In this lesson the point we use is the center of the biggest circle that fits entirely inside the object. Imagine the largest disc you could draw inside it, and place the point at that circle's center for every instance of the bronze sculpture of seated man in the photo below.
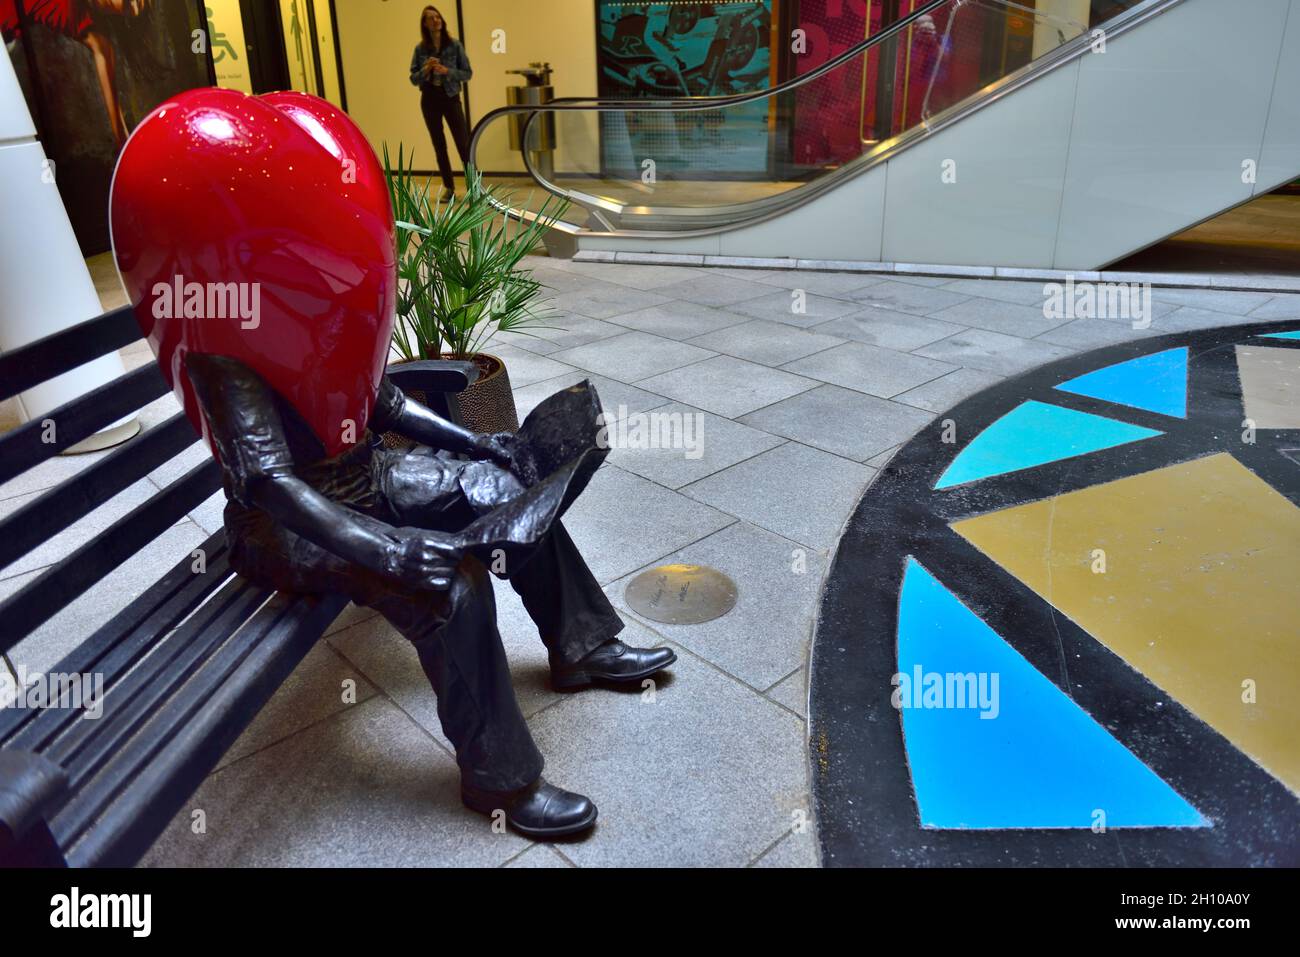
(372, 524)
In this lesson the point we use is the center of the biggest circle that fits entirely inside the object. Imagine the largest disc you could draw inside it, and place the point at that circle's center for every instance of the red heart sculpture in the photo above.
(274, 214)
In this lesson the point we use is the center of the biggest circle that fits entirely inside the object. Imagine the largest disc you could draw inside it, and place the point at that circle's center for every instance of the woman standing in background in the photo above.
(439, 67)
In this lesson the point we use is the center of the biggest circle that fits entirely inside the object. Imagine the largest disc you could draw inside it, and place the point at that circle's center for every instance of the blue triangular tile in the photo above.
(1038, 761)
(1294, 334)
(1157, 383)
(1035, 433)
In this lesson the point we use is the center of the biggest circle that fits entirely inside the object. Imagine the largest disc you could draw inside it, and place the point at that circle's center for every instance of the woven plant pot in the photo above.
(488, 405)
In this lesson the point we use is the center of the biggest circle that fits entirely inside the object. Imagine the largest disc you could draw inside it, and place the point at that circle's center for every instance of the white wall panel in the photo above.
(1279, 161)
(1164, 121)
(1009, 162)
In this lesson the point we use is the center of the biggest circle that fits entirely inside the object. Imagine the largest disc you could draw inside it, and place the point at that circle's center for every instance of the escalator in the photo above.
(1062, 134)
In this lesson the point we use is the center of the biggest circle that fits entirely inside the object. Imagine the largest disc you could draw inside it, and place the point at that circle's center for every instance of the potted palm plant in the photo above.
(460, 281)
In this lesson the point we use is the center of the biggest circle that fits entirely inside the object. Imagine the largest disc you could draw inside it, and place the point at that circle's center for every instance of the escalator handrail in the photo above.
(607, 105)
(1132, 16)
(561, 104)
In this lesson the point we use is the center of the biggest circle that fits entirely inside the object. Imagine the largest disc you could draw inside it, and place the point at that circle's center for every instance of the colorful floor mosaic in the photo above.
(1063, 625)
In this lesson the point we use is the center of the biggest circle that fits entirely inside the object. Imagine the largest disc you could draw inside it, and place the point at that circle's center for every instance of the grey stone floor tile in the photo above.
(1003, 290)
(49, 643)
(351, 615)
(715, 443)
(1190, 318)
(920, 280)
(560, 281)
(365, 788)
(613, 394)
(1081, 335)
(992, 352)
(812, 309)
(797, 491)
(158, 411)
(1213, 300)
(792, 691)
(711, 289)
(606, 300)
(708, 775)
(633, 356)
(388, 660)
(899, 331)
(757, 273)
(638, 276)
(834, 285)
(1005, 317)
(1278, 307)
(176, 467)
(842, 421)
(882, 459)
(539, 855)
(908, 297)
(767, 343)
(943, 393)
(796, 849)
(765, 636)
(728, 386)
(679, 320)
(525, 368)
(314, 691)
(623, 522)
(1265, 282)
(828, 284)
(47, 474)
(560, 332)
(209, 514)
(137, 353)
(870, 369)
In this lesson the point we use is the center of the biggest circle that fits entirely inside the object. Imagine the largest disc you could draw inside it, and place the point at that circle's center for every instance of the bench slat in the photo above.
(116, 647)
(63, 351)
(50, 513)
(81, 418)
(161, 767)
(89, 745)
(54, 589)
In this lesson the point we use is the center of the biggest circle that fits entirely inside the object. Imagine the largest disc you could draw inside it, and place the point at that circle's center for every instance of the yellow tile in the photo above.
(1199, 592)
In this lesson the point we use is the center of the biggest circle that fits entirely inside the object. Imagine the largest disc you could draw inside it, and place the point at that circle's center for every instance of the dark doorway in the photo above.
(268, 68)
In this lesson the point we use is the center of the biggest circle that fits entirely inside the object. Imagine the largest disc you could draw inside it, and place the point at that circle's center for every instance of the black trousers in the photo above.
(454, 632)
(436, 107)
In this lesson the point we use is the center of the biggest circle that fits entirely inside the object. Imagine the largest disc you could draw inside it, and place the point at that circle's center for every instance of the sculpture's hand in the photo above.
(421, 558)
(496, 447)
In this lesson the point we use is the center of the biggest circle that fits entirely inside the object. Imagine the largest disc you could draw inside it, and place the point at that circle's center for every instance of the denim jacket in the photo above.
(452, 57)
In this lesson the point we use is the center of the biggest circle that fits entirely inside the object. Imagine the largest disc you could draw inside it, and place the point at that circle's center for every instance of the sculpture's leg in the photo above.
(454, 634)
(456, 637)
(572, 613)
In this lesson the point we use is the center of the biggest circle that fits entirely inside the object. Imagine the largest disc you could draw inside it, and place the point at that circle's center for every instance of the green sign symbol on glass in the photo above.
(220, 44)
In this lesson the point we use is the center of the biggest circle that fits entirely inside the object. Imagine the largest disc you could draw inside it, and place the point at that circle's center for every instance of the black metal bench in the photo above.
(185, 666)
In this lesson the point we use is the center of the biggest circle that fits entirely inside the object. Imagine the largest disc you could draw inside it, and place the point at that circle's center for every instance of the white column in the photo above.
(44, 283)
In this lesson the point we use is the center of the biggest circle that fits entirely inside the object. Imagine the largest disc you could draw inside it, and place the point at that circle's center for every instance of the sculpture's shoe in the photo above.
(540, 810)
(612, 661)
